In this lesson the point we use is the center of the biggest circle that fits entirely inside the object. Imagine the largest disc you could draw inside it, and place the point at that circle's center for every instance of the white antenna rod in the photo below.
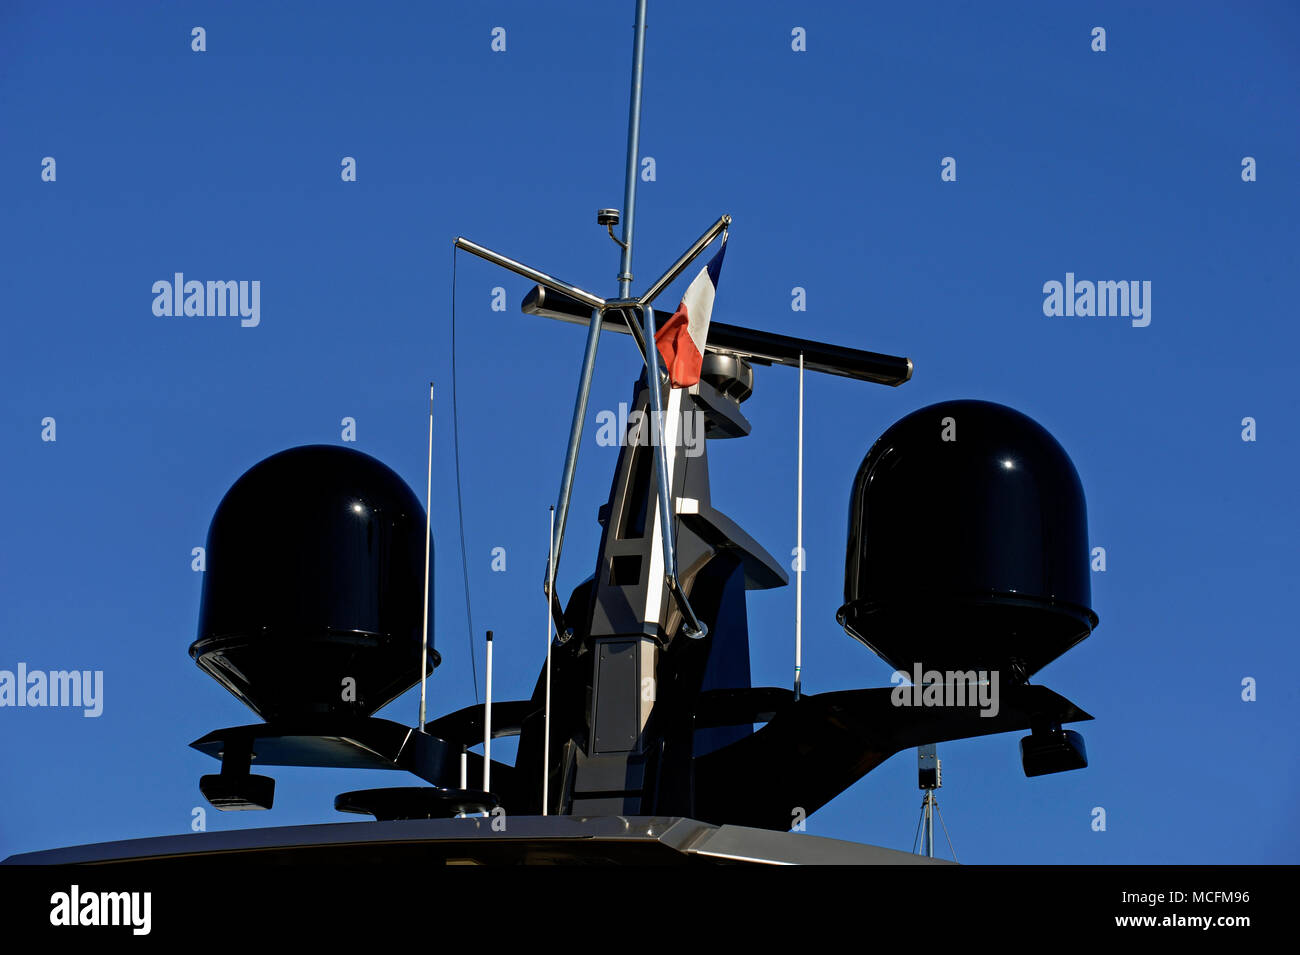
(546, 717)
(487, 722)
(464, 768)
(798, 573)
(428, 536)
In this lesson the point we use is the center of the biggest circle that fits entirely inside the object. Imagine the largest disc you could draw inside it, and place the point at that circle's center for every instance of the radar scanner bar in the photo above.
(765, 348)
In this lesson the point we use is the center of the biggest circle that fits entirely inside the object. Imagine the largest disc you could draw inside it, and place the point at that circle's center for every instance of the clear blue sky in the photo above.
(225, 165)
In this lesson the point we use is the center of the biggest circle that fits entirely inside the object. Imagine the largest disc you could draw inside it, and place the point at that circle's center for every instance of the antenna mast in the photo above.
(633, 152)
(608, 217)
(627, 307)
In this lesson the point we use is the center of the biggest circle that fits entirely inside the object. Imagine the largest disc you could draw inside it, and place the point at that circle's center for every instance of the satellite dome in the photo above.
(315, 576)
(968, 544)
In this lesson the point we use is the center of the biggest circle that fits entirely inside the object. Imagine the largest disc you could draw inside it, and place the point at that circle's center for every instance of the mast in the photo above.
(633, 152)
(593, 330)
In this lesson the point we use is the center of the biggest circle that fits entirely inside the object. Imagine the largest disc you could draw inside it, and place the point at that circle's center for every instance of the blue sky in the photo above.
(225, 164)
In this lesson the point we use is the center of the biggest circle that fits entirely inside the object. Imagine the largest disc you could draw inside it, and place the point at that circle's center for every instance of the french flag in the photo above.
(681, 340)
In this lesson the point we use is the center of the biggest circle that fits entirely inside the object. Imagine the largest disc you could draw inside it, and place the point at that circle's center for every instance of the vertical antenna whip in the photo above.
(546, 717)
(633, 152)
(428, 538)
(798, 549)
(460, 501)
(487, 722)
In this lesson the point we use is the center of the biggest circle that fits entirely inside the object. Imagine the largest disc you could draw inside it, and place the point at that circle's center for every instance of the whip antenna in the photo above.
(798, 549)
(546, 717)
(487, 722)
(460, 499)
(428, 539)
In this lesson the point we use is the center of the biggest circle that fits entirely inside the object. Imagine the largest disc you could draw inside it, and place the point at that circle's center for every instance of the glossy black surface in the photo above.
(234, 793)
(967, 553)
(315, 574)
(346, 742)
(524, 840)
(415, 802)
(758, 346)
(825, 742)
(1053, 751)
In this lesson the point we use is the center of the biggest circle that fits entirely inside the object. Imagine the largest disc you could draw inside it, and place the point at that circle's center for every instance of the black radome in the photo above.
(967, 543)
(315, 576)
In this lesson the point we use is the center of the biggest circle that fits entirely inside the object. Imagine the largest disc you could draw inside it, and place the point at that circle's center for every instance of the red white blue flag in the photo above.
(681, 340)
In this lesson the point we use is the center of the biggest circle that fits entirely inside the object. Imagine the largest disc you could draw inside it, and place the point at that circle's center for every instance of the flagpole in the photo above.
(687, 257)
